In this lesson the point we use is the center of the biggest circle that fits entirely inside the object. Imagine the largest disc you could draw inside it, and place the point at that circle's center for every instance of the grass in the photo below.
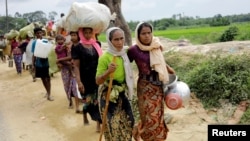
(198, 34)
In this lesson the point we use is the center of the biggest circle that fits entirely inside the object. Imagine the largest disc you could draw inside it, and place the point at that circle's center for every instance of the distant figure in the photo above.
(49, 28)
(17, 55)
(3, 46)
(61, 30)
(62, 14)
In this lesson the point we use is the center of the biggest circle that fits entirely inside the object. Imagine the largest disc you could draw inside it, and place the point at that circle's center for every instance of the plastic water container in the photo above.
(42, 48)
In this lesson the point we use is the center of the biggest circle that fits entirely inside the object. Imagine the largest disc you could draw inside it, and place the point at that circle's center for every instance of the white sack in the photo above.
(88, 14)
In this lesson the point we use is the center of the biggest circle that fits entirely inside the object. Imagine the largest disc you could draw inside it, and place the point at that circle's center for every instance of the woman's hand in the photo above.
(112, 67)
(33, 68)
(170, 70)
(81, 87)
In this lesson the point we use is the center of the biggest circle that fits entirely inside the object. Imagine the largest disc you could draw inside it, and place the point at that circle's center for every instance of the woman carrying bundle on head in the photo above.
(85, 57)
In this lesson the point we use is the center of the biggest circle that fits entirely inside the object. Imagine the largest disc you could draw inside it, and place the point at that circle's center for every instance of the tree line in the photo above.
(20, 20)
(178, 20)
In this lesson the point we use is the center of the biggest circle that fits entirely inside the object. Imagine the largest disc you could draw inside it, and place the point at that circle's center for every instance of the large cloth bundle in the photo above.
(88, 14)
(26, 30)
(61, 22)
(60, 26)
(12, 34)
(3, 44)
(53, 68)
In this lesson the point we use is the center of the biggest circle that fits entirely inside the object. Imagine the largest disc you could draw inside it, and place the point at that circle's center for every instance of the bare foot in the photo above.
(86, 122)
(70, 105)
(46, 95)
(78, 111)
(85, 119)
(98, 127)
(49, 98)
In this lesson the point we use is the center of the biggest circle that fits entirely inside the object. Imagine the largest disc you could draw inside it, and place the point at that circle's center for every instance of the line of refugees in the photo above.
(88, 73)
(105, 82)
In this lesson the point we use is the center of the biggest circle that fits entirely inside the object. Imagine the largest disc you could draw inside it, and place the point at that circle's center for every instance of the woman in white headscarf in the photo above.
(153, 73)
(120, 120)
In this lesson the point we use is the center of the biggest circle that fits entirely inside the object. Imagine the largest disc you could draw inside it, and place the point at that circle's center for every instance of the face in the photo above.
(74, 37)
(88, 33)
(145, 36)
(60, 41)
(39, 34)
(118, 39)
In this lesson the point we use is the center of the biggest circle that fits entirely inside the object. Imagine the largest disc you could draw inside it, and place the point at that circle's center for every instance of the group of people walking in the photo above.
(105, 80)
(106, 83)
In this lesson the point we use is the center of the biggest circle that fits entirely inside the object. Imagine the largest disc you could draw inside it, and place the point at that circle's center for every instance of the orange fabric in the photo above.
(152, 126)
(64, 33)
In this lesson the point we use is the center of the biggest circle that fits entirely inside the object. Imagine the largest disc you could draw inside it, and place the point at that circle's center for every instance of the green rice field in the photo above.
(199, 35)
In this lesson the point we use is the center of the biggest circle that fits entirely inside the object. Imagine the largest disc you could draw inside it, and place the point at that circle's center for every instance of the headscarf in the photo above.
(157, 61)
(89, 42)
(126, 63)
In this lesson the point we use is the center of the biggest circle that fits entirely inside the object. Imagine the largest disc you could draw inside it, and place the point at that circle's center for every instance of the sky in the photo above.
(138, 10)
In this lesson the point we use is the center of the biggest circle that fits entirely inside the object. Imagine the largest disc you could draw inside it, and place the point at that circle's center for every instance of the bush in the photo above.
(221, 78)
(246, 117)
(212, 78)
(229, 34)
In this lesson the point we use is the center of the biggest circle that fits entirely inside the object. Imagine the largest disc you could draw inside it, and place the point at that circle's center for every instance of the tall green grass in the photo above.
(198, 34)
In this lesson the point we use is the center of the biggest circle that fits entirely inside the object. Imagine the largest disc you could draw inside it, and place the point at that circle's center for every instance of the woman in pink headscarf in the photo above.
(85, 57)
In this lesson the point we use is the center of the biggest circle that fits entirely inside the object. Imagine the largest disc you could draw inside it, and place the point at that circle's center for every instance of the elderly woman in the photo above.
(153, 73)
(120, 119)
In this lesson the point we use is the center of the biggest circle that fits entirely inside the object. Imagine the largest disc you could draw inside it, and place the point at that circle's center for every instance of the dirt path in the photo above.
(27, 116)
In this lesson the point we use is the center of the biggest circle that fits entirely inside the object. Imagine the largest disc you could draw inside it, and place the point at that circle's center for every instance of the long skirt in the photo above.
(91, 106)
(18, 62)
(151, 109)
(69, 82)
(120, 119)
